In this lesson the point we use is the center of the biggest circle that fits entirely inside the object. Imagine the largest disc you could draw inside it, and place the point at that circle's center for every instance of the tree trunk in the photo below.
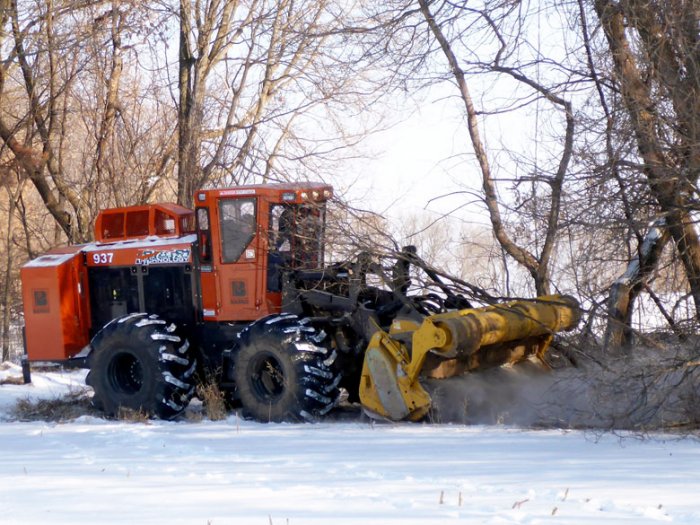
(104, 166)
(6, 313)
(186, 151)
(626, 288)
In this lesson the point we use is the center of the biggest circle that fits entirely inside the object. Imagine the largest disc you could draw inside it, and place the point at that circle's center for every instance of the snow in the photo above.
(92, 470)
(147, 242)
(50, 260)
(653, 236)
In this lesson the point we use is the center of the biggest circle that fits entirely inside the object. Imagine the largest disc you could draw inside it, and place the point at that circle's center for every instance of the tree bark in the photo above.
(627, 287)
(188, 144)
(106, 132)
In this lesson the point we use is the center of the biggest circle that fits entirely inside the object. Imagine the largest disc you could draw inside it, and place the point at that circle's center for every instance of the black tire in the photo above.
(139, 362)
(283, 371)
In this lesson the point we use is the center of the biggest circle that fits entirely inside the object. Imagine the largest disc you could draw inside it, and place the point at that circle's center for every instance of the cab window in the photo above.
(204, 235)
(237, 225)
(296, 235)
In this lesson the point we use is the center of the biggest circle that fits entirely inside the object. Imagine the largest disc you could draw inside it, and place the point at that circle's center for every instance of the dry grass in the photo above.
(133, 416)
(213, 400)
(66, 408)
(12, 381)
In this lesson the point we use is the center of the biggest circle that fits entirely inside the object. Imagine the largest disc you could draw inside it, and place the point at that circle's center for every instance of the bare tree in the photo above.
(64, 115)
(35, 137)
(254, 79)
(424, 35)
(653, 51)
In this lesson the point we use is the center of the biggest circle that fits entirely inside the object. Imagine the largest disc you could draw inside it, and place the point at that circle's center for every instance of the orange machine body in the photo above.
(224, 251)
(55, 286)
(56, 312)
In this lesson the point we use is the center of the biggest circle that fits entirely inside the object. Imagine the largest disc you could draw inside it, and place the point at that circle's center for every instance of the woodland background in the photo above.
(580, 117)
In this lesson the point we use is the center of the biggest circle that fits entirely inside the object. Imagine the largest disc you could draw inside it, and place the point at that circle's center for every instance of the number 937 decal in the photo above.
(102, 258)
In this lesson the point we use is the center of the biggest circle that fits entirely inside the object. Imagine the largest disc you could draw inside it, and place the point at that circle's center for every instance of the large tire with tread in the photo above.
(140, 362)
(283, 371)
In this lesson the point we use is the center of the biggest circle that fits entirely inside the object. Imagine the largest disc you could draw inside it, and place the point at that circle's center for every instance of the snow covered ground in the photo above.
(351, 472)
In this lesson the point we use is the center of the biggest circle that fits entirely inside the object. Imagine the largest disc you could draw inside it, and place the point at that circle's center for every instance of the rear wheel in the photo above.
(283, 371)
(139, 362)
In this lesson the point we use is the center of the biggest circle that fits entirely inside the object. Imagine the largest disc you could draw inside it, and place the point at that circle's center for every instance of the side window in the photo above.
(281, 226)
(308, 252)
(237, 223)
(204, 235)
(165, 225)
(279, 255)
(113, 225)
(296, 235)
(137, 223)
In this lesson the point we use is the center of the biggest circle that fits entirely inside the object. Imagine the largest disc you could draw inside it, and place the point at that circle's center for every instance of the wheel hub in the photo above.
(126, 373)
(268, 377)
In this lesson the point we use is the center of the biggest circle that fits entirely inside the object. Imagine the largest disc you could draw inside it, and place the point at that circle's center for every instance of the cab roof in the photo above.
(290, 192)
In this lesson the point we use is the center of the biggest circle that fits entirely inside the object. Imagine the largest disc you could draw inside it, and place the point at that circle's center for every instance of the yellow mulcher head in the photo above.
(470, 339)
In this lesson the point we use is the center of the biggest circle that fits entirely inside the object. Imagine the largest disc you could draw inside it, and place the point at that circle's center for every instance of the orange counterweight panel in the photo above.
(56, 313)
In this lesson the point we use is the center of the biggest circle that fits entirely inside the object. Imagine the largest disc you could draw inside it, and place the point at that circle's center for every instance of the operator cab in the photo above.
(248, 236)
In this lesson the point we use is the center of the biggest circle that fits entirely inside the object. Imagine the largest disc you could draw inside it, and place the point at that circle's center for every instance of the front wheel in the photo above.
(283, 371)
(139, 362)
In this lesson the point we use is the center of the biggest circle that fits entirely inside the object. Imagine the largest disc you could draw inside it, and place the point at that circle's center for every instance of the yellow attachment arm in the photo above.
(481, 337)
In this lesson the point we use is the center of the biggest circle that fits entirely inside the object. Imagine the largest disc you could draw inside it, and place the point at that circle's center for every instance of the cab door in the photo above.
(232, 265)
(239, 273)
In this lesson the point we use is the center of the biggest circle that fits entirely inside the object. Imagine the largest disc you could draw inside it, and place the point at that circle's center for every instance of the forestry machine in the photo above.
(236, 292)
